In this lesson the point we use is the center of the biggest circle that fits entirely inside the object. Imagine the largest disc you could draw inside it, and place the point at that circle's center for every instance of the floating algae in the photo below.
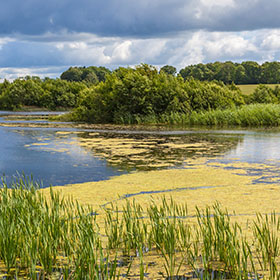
(201, 178)
(135, 151)
(201, 185)
(149, 152)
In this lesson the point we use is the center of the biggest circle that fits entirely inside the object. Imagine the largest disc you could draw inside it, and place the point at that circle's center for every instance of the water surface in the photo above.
(59, 156)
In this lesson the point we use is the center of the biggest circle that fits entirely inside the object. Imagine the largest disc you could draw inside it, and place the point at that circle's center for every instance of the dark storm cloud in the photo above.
(134, 17)
(44, 37)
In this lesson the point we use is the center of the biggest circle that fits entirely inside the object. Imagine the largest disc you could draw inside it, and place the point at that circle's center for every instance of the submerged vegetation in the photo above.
(50, 237)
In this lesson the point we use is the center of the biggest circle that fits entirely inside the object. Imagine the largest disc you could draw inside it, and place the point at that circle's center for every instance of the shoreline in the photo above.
(200, 184)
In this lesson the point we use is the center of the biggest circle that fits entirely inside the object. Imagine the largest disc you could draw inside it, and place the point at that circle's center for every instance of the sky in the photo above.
(45, 38)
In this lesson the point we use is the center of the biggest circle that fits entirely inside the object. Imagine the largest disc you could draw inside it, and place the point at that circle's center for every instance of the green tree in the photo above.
(253, 72)
(128, 94)
(270, 73)
(240, 75)
(60, 94)
(263, 94)
(226, 73)
(168, 69)
(73, 74)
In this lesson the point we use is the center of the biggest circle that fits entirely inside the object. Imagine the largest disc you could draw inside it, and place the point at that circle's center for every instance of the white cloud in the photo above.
(13, 73)
(219, 44)
(272, 40)
(122, 51)
(179, 50)
(78, 45)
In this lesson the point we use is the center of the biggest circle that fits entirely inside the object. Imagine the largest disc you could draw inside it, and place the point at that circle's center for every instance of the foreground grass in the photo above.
(56, 238)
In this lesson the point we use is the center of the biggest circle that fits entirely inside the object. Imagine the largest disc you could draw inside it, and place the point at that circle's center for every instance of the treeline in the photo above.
(248, 72)
(132, 95)
(52, 94)
(89, 75)
(145, 95)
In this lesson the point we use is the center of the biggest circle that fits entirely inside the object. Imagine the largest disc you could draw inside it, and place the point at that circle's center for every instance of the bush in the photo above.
(134, 95)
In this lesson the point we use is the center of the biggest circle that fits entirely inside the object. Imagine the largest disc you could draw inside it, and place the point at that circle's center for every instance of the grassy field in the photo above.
(248, 89)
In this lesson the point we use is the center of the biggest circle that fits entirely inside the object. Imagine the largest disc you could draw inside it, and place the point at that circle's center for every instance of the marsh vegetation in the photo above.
(53, 237)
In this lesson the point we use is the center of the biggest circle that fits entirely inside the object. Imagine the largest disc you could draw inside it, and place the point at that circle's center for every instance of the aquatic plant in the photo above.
(244, 116)
(49, 236)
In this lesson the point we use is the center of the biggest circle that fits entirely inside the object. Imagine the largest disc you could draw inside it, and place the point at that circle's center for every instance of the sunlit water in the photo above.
(55, 158)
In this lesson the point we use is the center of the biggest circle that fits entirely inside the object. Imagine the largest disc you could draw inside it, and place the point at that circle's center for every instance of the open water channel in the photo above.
(60, 156)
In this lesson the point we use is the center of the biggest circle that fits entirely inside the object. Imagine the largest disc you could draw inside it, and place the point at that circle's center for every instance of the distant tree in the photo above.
(4, 86)
(240, 75)
(263, 94)
(248, 72)
(252, 72)
(226, 73)
(199, 71)
(100, 72)
(90, 75)
(270, 73)
(33, 92)
(73, 74)
(168, 69)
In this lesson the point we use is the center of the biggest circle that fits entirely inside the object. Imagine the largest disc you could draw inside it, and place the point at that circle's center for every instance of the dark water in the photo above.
(57, 159)
(50, 167)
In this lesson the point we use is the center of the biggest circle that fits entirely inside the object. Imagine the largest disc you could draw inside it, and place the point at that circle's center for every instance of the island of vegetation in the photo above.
(202, 94)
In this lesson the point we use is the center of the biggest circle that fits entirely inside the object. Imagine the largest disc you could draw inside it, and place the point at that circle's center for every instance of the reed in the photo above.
(54, 237)
(251, 115)
(245, 116)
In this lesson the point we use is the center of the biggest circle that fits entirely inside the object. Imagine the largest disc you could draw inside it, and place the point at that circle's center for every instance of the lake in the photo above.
(60, 156)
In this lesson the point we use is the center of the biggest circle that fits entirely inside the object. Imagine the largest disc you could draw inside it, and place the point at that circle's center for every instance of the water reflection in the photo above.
(149, 152)
(57, 166)
(59, 156)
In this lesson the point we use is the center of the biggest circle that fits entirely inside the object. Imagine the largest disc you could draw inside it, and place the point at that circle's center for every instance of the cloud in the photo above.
(12, 73)
(143, 18)
(272, 40)
(36, 34)
(183, 49)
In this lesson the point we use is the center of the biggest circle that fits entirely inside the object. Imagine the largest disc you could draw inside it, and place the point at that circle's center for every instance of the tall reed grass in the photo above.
(252, 115)
(55, 238)
(245, 116)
